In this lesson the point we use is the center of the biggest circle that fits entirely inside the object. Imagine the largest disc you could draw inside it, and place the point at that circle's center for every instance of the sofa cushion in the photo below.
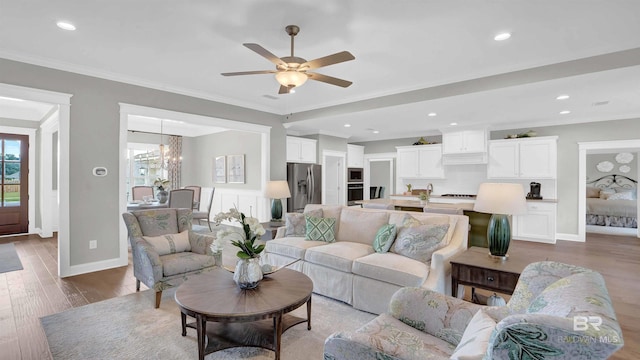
(338, 255)
(295, 224)
(392, 268)
(328, 211)
(170, 243)
(180, 263)
(384, 238)
(475, 339)
(157, 222)
(320, 229)
(418, 219)
(361, 226)
(419, 242)
(293, 247)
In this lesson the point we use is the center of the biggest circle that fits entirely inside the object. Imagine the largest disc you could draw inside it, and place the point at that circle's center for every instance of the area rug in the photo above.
(9, 259)
(129, 327)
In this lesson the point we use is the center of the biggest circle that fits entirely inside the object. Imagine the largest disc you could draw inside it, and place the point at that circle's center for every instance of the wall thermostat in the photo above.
(99, 171)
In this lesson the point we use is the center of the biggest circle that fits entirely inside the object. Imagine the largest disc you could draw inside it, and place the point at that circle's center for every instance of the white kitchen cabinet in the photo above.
(529, 158)
(539, 224)
(355, 156)
(420, 162)
(301, 150)
(464, 142)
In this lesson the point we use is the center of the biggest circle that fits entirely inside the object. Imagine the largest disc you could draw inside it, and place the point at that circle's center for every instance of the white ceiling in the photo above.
(412, 57)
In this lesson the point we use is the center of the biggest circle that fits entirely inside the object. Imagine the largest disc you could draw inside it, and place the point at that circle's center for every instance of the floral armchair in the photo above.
(557, 311)
(164, 249)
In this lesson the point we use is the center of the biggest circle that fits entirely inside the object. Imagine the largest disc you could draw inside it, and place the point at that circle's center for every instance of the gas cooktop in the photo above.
(465, 196)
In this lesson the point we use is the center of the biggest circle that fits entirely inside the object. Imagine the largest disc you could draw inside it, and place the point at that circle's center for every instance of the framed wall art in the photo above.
(235, 169)
(219, 170)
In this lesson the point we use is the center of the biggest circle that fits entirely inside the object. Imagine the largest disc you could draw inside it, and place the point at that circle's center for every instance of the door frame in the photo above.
(64, 115)
(583, 149)
(31, 188)
(368, 158)
(343, 170)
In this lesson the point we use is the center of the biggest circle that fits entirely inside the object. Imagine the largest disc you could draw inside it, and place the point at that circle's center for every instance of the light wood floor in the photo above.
(36, 291)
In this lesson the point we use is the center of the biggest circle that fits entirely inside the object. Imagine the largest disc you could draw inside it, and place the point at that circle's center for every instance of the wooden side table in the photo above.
(477, 269)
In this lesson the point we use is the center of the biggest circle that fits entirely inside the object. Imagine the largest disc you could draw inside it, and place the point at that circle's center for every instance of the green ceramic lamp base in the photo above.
(499, 236)
(276, 210)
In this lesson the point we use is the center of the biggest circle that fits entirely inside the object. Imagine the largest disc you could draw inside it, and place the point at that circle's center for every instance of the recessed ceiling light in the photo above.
(292, 91)
(432, 114)
(565, 112)
(10, 98)
(376, 131)
(562, 97)
(66, 25)
(453, 124)
(502, 36)
(347, 125)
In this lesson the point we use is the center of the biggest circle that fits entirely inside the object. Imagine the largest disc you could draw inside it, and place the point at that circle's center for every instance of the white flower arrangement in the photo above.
(251, 229)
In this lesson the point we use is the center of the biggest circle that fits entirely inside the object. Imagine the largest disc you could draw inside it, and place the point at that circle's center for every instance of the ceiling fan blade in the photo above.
(249, 72)
(328, 60)
(283, 90)
(265, 53)
(329, 79)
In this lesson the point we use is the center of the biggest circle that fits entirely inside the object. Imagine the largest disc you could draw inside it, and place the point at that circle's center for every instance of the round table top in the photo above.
(215, 295)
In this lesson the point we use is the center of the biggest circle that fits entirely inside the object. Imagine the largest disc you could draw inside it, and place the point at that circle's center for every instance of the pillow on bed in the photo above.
(605, 193)
(593, 192)
(621, 196)
(633, 193)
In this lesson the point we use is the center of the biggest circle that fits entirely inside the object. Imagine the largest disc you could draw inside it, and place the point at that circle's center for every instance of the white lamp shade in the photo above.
(501, 198)
(291, 78)
(278, 189)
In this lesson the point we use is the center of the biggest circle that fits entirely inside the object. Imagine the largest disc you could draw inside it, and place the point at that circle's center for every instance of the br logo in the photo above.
(581, 323)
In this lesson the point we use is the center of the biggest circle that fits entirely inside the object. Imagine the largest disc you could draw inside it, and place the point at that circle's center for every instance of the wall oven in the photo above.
(355, 175)
(355, 192)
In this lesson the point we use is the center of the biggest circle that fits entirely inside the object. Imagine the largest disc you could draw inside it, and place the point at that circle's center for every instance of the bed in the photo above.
(612, 201)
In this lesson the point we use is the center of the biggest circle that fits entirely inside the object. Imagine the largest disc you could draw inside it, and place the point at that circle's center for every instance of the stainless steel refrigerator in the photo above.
(305, 184)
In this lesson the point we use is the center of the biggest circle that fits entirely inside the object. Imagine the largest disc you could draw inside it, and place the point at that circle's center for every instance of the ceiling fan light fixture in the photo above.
(291, 78)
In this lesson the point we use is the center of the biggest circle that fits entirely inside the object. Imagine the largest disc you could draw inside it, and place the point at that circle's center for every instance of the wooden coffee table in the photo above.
(227, 316)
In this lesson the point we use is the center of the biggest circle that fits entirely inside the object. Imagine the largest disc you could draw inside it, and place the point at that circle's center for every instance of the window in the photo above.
(143, 165)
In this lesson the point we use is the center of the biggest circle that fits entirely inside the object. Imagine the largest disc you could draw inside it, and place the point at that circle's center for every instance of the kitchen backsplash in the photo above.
(465, 179)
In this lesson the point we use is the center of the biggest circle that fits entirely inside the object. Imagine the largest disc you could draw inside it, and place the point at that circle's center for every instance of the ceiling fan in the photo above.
(292, 71)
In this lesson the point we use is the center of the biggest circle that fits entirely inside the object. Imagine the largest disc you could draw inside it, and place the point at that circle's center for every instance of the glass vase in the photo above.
(217, 257)
(248, 273)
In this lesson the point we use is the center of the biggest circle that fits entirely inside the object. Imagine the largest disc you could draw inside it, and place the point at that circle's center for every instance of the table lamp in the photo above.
(276, 190)
(500, 200)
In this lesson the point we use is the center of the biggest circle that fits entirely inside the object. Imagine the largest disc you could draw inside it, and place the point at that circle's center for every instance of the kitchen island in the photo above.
(416, 205)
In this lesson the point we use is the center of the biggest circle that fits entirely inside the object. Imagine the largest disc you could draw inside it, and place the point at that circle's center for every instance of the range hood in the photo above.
(465, 159)
(465, 147)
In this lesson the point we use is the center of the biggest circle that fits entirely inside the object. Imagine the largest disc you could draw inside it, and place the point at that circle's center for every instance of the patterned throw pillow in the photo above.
(419, 242)
(295, 224)
(621, 196)
(320, 229)
(384, 238)
(170, 243)
(475, 340)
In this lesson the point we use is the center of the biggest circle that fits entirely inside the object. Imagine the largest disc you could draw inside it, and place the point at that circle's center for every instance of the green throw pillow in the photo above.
(320, 229)
(384, 238)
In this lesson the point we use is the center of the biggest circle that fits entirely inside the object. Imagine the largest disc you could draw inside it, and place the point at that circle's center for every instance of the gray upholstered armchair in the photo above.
(557, 311)
(165, 251)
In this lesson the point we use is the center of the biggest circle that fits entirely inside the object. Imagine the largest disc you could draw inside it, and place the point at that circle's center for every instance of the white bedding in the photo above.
(626, 208)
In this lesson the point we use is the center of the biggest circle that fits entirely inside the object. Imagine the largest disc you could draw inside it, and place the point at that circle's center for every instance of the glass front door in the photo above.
(14, 196)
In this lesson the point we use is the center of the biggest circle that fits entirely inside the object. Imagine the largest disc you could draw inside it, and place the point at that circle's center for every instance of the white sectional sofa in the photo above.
(350, 270)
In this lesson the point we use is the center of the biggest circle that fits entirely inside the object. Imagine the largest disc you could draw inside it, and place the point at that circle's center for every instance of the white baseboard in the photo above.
(611, 230)
(95, 266)
(569, 237)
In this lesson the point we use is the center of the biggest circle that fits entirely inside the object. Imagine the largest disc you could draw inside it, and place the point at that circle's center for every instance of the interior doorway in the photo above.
(593, 148)
(379, 171)
(14, 184)
(333, 177)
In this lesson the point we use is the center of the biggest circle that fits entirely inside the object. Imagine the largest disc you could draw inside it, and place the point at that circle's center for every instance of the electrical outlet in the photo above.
(93, 244)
